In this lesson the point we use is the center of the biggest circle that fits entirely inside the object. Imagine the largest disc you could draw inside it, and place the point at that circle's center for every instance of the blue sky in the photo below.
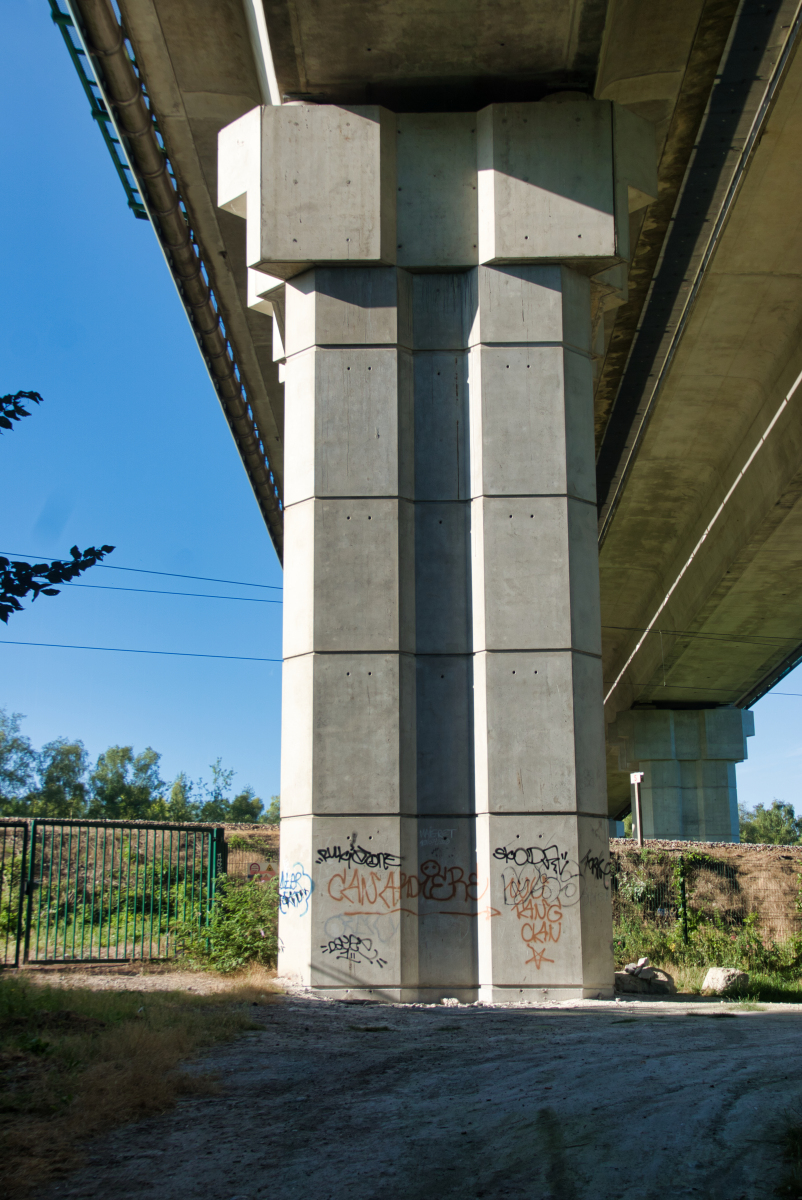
(131, 448)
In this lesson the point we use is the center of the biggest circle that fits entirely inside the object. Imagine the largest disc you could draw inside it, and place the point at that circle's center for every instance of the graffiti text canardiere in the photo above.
(354, 855)
(371, 891)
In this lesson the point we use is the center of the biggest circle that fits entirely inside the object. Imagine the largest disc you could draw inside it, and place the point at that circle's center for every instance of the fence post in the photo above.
(23, 888)
(221, 857)
(29, 884)
(683, 900)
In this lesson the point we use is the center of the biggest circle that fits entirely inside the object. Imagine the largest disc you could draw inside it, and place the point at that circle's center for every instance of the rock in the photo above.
(719, 980)
(450, 1002)
(638, 968)
(657, 983)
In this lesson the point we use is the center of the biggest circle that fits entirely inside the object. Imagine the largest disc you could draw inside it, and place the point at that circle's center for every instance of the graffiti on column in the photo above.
(374, 883)
(294, 889)
(356, 855)
(539, 883)
(599, 867)
(354, 949)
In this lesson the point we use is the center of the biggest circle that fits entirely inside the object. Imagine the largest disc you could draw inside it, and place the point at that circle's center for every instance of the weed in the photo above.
(791, 1142)
(74, 1062)
(243, 927)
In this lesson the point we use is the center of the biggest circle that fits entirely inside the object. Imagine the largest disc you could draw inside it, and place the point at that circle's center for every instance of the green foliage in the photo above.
(273, 814)
(243, 927)
(246, 808)
(20, 579)
(124, 785)
(17, 763)
(710, 944)
(11, 407)
(62, 791)
(776, 826)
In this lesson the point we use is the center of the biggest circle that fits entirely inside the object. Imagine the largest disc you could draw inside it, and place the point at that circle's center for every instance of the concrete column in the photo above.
(540, 795)
(688, 761)
(348, 736)
(444, 825)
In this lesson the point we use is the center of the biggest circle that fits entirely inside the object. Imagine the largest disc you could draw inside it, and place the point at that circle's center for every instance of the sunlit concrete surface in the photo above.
(576, 1101)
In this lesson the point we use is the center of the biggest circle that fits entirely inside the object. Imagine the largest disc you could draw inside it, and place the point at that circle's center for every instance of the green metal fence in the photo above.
(13, 858)
(93, 891)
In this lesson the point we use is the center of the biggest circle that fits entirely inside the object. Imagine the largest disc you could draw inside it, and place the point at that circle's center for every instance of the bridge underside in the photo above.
(694, 356)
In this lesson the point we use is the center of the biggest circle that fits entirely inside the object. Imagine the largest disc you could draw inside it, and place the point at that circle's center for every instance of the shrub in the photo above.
(243, 927)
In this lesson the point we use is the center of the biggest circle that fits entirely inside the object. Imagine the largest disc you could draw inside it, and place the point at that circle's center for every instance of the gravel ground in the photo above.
(576, 1101)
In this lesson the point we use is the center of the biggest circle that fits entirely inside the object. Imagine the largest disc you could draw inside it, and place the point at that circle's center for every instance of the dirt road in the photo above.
(337, 1101)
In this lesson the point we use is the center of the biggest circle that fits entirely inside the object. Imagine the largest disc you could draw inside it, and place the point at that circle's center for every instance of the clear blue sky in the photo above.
(131, 448)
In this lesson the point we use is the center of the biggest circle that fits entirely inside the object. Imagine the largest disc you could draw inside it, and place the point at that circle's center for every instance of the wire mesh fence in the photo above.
(80, 890)
(727, 886)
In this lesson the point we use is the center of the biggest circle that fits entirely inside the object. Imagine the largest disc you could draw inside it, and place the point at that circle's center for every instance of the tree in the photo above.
(11, 408)
(62, 790)
(246, 808)
(776, 826)
(217, 805)
(181, 806)
(125, 786)
(17, 765)
(19, 579)
(273, 814)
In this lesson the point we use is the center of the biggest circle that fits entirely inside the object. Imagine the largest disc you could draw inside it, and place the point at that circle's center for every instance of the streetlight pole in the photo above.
(635, 778)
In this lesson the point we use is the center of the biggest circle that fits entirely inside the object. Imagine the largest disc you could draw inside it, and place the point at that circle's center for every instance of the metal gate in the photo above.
(95, 891)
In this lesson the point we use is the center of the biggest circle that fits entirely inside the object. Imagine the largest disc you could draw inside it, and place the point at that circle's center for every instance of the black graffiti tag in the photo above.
(358, 856)
(354, 949)
(598, 866)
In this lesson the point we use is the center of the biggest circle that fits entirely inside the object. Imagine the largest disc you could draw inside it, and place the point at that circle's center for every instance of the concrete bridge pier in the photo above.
(444, 817)
(688, 759)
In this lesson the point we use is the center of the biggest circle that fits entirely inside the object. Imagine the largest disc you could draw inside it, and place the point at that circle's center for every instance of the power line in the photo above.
(126, 650)
(253, 658)
(157, 592)
(144, 571)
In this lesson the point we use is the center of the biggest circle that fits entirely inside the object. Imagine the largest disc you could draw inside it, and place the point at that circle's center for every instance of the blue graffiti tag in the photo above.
(294, 889)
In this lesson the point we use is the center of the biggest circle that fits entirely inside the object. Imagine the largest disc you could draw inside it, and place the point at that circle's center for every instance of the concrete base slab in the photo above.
(541, 995)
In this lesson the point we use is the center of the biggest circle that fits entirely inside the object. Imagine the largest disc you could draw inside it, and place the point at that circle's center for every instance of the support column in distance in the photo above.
(688, 759)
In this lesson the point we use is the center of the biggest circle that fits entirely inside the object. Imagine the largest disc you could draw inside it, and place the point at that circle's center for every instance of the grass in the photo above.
(764, 986)
(775, 969)
(791, 1143)
(75, 1062)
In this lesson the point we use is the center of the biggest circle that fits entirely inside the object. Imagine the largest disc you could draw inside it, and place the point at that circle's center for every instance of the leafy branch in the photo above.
(20, 579)
(11, 408)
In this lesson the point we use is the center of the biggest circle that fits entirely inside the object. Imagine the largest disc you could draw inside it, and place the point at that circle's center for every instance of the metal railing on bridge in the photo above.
(94, 891)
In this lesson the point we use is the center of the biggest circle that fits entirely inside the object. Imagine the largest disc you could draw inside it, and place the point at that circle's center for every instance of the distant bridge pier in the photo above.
(688, 759)
(434, 279)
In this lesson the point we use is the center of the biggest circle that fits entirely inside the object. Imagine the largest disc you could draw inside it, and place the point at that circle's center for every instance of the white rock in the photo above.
(657, 983)
(725, 979)
(450, 1002)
